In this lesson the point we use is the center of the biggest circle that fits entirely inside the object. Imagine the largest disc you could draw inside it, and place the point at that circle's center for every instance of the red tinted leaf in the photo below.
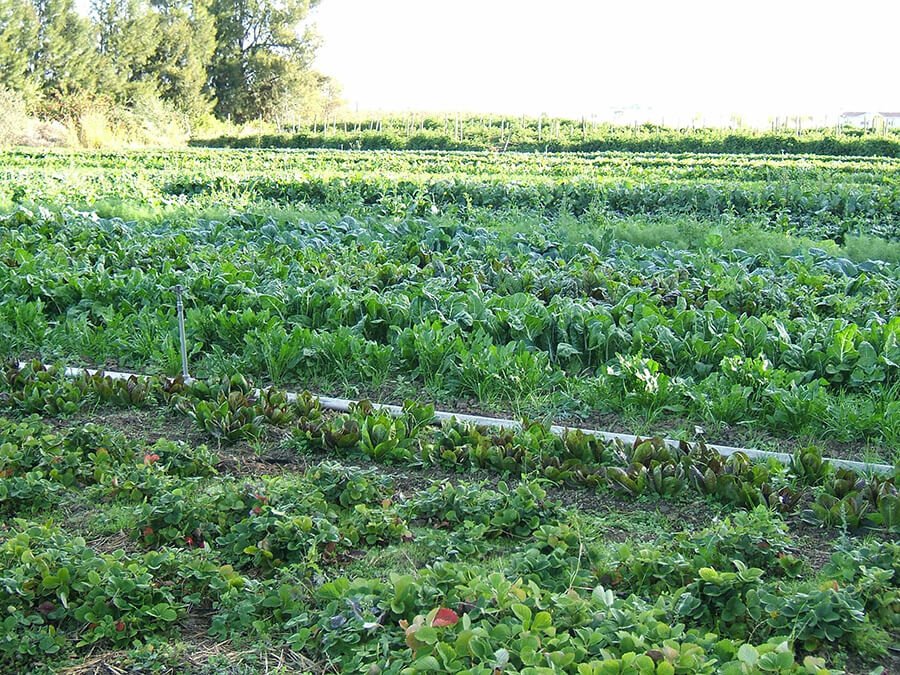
(445, 617)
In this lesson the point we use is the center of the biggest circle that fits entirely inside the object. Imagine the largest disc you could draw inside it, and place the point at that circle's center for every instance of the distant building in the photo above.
(856, 119)
(871, 120)
(891, 119)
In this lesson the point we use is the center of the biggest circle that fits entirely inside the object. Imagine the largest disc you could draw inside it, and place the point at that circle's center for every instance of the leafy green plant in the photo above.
(872, 569)
(758, 538)
(827, 614)
(349, 486)
(507, 512)
(726, 601)
(54, 583)
(808, 467)
(178, 458)
(229, 419)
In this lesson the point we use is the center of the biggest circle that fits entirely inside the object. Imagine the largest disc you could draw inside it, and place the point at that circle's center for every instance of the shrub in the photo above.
(14, 119)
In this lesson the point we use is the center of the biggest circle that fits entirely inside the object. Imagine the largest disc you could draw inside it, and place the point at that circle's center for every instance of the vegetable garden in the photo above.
(470, 132)
(218, 525)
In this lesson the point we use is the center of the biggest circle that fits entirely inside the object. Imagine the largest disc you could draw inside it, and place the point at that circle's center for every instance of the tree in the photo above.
(187, 33)
(311, 95)
(128, 38)
(261, 55)
(245, 59)
(18, 42)
(66, 61)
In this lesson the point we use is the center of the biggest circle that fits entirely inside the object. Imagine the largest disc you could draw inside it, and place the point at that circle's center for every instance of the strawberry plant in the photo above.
(55, 583)
(177, 458)
(816, 616)
(727, 601)
(349, 486)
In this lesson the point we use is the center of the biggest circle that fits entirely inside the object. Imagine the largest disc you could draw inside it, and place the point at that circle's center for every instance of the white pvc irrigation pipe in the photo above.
(343, 405)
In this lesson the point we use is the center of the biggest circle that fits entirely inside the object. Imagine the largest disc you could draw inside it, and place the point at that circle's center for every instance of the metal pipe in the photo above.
(343, 405)
(179, 305)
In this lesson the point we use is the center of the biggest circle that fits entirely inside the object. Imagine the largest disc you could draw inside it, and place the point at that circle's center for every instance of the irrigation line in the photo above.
(343, 405)
(182, 340)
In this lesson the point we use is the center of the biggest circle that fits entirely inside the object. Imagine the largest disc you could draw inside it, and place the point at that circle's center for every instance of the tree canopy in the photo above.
(241, 59)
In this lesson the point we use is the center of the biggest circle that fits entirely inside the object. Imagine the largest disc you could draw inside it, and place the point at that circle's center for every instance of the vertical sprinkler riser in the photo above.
(179, 306)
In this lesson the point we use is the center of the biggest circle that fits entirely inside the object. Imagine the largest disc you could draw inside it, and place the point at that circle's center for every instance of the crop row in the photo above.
(558, 135)
(729, 598)
(718, 337)
(825, 212)
(62, 596)
(833, 210)
(230, 411)
(635, 167)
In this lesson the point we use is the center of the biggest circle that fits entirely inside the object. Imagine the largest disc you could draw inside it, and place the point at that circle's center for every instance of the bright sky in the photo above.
(579, 56)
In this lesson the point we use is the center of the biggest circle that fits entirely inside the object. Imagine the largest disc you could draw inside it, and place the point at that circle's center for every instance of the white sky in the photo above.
(577, 57)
